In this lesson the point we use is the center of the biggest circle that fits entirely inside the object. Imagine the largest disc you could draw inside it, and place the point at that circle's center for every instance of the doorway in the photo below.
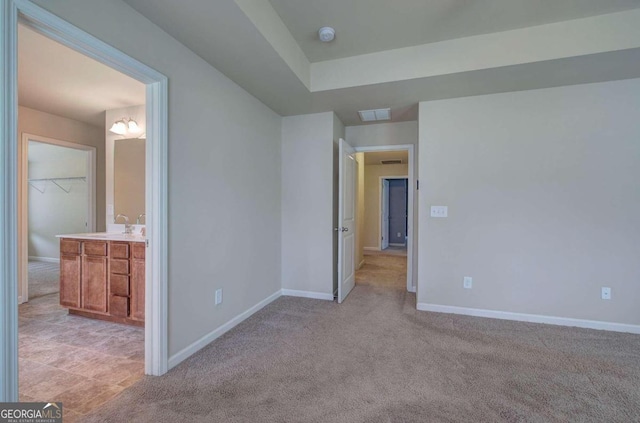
(45, 23)
(394, 215)
(386, 230)
(57, 188)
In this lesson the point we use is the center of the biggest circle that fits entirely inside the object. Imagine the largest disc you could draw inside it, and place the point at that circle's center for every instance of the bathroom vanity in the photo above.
(102, 276)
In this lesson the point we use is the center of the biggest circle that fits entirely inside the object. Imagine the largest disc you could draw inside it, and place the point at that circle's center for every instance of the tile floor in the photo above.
(81, 362)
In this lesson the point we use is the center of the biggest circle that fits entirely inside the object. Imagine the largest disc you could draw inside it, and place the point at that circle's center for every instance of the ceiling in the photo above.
(417, 50)
(374, 157)
(56, 79)
(367, 26)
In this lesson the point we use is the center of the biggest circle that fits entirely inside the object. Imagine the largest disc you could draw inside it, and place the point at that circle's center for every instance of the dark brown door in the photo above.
(137, 281)
(70, 271)
(94, 283)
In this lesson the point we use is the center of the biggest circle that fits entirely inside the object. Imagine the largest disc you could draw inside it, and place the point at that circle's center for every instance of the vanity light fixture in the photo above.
(125, 126)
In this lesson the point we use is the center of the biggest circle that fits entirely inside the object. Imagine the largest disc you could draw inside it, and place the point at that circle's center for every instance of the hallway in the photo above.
(382, 270)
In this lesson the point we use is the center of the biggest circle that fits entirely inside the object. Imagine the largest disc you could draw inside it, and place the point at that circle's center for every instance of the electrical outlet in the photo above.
(467, 282)
(439, 211)
(218, 296)
(606, 293)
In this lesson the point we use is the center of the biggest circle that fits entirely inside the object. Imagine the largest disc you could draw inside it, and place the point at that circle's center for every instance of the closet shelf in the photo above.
(55, 182)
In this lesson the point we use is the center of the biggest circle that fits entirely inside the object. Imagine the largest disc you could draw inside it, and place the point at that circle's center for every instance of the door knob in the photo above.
(345, 229)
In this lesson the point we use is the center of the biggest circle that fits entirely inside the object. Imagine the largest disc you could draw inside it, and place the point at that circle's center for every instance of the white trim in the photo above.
(371, 248)
(23, 197)
(44, 259)
(396, 245)
(8, 202)
(411, 242)
(533, 318)
(307, 294)
(48, 24)
(361, 264)
(188, 351)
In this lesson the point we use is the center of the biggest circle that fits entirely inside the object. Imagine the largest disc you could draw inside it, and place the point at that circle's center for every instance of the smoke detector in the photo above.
(326, 34)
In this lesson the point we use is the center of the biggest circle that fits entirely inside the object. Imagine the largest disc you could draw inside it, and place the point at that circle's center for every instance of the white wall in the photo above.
(544, 205)
(399, 133)
(224, 175)
(307, 203)
(54, 211)
(35, 122)
(372, 200)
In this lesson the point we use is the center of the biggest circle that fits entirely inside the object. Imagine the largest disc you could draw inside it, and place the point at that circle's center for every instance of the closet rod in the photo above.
(58, 179)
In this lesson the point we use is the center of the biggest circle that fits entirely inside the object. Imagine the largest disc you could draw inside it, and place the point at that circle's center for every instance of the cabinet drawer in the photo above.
(138, 249)
(69, 246)
(95, 248)
(120, 250)
(119, 285)
(120, 266)
(119, 306)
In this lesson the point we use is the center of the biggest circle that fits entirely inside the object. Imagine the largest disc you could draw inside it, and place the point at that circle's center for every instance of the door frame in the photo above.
(411, 192)
(23, 201)
(382, 178)
(13, 12)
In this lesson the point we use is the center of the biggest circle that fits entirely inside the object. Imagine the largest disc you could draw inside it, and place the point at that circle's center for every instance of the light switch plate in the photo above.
(467, 282)
(606, 293)
(439, 211)
(218, 296)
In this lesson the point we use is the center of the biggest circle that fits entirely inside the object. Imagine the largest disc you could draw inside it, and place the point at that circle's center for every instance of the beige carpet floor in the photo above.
(44, 279)
(376, 359)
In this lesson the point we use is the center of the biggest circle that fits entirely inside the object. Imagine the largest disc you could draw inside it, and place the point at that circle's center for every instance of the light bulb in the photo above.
(133, 126)
(119, 127)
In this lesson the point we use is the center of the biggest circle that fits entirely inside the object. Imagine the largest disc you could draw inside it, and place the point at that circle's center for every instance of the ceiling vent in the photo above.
(391, 161)
(375, 115)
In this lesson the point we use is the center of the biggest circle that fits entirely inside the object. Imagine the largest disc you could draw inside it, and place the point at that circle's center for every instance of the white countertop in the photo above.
(106, 236)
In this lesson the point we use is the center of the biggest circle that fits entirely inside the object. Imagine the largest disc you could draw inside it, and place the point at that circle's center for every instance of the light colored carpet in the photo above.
(44, 279)
(376, 359)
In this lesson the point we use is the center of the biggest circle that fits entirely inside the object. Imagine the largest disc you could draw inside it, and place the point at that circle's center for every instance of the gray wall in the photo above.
(307, 203)
(544, 205)
(224, 174)
(54, 211)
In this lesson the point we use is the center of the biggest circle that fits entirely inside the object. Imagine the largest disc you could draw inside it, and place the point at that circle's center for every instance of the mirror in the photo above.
(129, 178)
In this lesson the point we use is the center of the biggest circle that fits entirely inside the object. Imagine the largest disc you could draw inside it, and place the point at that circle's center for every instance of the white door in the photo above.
(346, 220)
(384, 215)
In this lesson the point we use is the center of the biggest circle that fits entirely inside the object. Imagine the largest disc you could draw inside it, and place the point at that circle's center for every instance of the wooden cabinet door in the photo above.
(137, 289)
(94, 283)
(70, 271)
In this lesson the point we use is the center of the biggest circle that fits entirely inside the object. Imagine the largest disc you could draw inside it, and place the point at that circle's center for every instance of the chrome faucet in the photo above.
(143, 215)
(128, 229)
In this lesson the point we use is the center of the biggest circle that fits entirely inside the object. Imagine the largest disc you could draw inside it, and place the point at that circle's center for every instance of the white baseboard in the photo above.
(185, 353)
(44, 259)
(533, 318)
(360, 265)
(397, 245)
(371, 248)
(307, 294)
